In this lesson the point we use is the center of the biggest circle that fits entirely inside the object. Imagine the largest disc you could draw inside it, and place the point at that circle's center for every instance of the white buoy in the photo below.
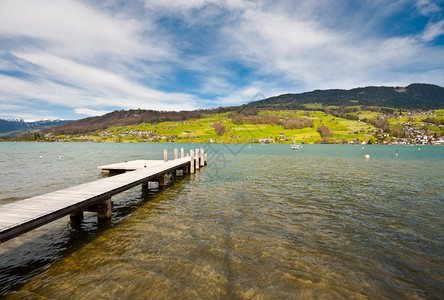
(419, 148)
(362, 147)
(367, 156)
(60, 157)
(41, 156)
(396, 154)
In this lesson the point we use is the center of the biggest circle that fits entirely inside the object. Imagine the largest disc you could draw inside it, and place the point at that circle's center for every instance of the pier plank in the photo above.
(21, 216)
(131, 165)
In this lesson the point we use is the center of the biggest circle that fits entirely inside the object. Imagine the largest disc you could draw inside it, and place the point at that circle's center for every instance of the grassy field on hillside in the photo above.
(345, 125)
(203, 130)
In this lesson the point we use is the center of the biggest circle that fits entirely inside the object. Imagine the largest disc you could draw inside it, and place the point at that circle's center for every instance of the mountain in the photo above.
(19, 126)
(131, 117)
(414, 96)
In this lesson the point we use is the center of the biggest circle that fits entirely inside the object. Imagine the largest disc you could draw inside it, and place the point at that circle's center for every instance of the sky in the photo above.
(74, 59)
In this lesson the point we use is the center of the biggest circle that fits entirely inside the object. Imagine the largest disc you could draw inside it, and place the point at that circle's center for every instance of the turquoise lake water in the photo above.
(259, 222)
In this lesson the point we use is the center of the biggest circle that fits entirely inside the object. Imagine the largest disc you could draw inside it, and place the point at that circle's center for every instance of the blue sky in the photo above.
(73, 59)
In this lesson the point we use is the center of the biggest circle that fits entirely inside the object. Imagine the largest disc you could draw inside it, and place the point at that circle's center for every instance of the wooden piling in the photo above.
(22, 216)
(182, 153)
(76, 217)
(202, 157)
(176, 153)
(163, 180)
(106, 209)
(192, 162)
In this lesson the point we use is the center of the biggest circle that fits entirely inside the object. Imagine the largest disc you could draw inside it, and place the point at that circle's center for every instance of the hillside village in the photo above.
(403, 128)
(370, 115)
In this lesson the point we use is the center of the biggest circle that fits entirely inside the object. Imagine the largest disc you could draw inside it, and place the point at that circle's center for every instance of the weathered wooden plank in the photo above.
(6, 224)
(21, 216)
(82, 194)
(11, 218)
(131, 165)
(31, 211)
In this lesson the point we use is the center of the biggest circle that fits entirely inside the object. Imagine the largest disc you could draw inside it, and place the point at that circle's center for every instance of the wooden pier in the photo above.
(22, 216)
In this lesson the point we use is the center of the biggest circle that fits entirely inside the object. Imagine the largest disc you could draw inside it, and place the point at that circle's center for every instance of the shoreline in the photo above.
(227, 143)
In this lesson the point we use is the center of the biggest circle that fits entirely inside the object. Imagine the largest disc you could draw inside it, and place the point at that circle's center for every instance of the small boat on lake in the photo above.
(296, 147)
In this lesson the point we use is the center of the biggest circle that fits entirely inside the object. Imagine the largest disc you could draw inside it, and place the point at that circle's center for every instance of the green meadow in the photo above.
(203, 130)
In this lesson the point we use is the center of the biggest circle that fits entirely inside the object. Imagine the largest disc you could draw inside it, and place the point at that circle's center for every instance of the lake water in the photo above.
(259, 222)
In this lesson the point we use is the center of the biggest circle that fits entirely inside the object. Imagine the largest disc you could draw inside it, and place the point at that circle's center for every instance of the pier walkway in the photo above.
(22, 216)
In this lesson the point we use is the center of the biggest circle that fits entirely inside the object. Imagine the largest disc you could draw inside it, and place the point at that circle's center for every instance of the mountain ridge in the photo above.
(19, 126)
(414, 96)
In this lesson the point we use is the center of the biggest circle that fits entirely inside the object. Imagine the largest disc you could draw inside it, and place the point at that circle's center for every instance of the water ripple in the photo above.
(318, 223)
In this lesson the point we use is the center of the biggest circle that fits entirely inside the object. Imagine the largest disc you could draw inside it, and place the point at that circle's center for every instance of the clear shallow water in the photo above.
(259, 222)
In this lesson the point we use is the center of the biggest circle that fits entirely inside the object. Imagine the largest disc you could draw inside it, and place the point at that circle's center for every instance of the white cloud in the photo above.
(215, 85)
(89, 112)
(427, 7)
(285, 46)
(76, 56)
(180, 5)
(18, 110)
(432, 31)
(74, 29)
(14, 89)
(93, 56)
(315, 56)
(241, 96)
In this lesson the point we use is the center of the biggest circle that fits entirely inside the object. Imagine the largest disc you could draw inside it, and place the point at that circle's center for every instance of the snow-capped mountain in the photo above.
(18, 125)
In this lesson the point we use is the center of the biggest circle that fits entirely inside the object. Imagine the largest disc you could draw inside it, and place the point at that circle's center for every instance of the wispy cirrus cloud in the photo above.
(74, 29)
(80, 58)
(427, 7)
(68, 53)
(317, 56)
(433, 31)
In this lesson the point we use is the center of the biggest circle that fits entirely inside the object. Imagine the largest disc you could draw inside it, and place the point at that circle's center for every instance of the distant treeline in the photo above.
(434, 121)
(131, 117)
(379, 99)
(249, 114)
(414, 96)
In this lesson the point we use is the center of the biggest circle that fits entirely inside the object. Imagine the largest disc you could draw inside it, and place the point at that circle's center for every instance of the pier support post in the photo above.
(105, 209)
(202, 157)
(146, 186)
(165, 155)
(163, 180)
(176, 153)
(206, 159)
(192, 161)
(197, 159)
(182, 153)
(76, 217)
(150, 185)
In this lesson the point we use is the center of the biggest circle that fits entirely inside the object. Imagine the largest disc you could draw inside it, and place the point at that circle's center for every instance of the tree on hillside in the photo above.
(324, 131)
(219, 128)
(296, 123)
